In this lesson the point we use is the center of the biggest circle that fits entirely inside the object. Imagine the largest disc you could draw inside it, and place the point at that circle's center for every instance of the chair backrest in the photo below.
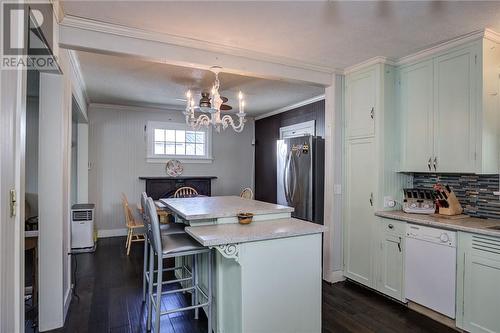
(144, 198)
(126, 210)
(185, 192)
(155, 236)
(247, 193)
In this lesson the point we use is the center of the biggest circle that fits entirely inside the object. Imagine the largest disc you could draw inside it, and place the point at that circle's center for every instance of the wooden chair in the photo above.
(185, 192)
(247, 193)
(132, 224)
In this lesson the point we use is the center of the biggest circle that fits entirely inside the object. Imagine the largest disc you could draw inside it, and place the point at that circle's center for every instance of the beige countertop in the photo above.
(468, 224)
(199, 208)
(221, 234)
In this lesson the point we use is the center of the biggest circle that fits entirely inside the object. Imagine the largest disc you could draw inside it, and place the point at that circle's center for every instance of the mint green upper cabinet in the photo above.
(416, 103)
(361, 91)
(455, 110)
(478, 297)
(450, 108)
(359, 214)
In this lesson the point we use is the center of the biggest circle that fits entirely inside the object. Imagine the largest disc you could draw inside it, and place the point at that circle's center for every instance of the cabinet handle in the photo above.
(399, 244)
(391, 226)
(429, 163)
(372, 112)
(435, 163)
(371, 199)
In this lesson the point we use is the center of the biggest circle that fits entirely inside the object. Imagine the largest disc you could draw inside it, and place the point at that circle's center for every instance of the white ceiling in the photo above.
(332, 34)
(121, 80)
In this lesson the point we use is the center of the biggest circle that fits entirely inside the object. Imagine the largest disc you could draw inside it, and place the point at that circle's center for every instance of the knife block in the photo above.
(454, 207)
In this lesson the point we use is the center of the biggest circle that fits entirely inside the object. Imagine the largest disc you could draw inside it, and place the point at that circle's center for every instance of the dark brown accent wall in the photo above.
(267, 131)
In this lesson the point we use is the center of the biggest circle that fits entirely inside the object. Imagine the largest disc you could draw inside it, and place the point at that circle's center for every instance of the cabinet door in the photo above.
(359, 217)
(361, 90)
(391, 265)
(481, 291)
(455, 106)
(416, 102)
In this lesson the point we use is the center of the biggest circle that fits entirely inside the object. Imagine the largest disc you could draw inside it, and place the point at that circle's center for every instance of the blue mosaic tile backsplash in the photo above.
(475, 192)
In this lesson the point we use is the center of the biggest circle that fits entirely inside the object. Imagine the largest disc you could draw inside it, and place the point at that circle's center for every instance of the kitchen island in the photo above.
(267, 275)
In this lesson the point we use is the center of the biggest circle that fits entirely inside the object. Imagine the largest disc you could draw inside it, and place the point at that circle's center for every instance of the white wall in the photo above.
(54, 197)
(117, 155)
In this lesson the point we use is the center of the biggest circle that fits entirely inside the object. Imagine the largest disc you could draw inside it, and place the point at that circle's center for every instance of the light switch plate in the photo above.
(337, 189)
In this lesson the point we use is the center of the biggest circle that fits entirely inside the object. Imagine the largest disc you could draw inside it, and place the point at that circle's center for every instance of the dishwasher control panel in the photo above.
(433, 235)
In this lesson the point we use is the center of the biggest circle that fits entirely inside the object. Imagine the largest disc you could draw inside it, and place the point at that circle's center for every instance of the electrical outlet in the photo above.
(389, 202)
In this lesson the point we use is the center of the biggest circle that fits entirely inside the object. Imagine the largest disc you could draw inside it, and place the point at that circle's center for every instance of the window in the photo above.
(173, 140)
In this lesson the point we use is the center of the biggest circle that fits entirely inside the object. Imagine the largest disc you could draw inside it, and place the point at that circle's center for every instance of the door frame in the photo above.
(12, 166)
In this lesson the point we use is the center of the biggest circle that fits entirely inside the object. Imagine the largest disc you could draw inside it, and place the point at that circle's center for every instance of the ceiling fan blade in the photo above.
(225, 107)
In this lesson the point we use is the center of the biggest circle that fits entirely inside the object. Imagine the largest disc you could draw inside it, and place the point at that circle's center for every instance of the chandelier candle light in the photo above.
(211, 104)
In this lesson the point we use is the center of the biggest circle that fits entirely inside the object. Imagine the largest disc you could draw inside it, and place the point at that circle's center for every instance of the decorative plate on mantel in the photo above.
(174, 168)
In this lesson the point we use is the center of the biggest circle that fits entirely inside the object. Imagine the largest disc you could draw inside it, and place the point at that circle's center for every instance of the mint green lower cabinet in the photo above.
(266, 286)
(390, 258)
(478, 282)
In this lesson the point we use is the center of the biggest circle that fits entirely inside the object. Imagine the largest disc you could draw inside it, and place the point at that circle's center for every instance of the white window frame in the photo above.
(152, 158)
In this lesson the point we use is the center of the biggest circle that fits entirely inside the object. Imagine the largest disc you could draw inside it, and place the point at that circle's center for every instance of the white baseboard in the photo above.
(334, 277)
(105, 233)
(67, 302)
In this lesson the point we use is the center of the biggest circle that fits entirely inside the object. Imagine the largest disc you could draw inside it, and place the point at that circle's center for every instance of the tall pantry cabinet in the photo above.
(371, 164)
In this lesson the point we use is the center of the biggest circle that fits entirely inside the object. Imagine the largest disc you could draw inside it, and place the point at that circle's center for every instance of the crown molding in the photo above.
(136, 107)
(368, 63)
(121, 30)
(449, 44)
(58, 10)
(291, 107)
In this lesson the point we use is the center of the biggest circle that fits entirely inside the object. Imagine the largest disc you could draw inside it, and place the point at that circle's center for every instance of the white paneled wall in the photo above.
(117, 157)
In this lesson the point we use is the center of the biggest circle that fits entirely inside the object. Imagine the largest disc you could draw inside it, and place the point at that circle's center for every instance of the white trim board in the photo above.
(79, 82)
(291, 106)
(105, 106)
(106, 233)
(94, 25)
(304, 128)
(99, 37)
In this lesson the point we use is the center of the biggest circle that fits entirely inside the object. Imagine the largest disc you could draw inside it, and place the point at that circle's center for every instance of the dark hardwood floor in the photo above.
(109, 289)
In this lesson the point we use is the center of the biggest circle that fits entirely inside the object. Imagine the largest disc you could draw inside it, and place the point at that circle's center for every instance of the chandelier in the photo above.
(210, 109)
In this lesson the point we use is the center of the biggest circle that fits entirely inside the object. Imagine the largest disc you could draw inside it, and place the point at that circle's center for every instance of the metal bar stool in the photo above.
(174, 246)
(166, 229)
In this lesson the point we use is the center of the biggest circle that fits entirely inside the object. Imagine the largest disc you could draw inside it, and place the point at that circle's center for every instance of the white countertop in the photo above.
(468, 224)
(220, 234)
(199, 208)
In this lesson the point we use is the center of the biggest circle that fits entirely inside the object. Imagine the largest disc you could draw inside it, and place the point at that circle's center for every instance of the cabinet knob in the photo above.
(372, 112)
(435, 163)
(429, 163)
(391, 226)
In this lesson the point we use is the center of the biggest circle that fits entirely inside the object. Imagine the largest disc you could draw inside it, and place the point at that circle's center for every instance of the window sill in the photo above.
(185, 160)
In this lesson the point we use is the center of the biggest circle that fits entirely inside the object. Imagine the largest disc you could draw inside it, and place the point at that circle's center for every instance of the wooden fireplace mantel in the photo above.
(159, 187)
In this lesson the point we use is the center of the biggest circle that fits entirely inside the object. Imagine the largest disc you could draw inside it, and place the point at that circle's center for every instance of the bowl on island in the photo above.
(245, 218)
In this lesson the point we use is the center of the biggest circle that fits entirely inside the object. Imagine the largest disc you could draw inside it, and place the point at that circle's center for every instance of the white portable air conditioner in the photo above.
(82, 228)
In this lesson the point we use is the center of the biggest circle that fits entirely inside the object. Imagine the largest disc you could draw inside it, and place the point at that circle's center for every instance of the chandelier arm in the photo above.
(202, 120)
(228, 120)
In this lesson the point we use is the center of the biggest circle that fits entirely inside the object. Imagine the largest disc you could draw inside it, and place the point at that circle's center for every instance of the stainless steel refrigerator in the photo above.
(300, 176)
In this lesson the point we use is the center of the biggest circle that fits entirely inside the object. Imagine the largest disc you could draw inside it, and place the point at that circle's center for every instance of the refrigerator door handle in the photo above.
(294, 178)
(285, 178)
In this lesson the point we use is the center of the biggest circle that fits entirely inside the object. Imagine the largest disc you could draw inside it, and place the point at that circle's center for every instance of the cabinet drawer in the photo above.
(393, 226)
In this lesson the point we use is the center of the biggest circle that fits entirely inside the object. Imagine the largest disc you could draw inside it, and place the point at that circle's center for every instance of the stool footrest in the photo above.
(185, 309)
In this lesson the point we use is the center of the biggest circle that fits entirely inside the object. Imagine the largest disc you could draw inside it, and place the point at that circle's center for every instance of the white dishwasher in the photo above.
(430, 268)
